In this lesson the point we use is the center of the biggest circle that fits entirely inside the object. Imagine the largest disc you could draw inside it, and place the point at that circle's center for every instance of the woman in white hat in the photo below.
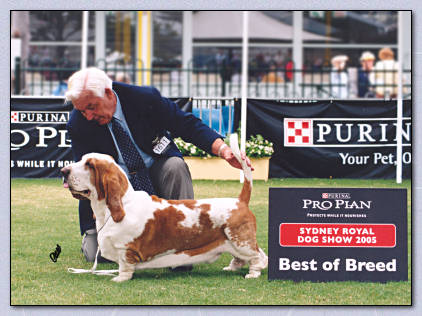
(339, 77)
(367, 60)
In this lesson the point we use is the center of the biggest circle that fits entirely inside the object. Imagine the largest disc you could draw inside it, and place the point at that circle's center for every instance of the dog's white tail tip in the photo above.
(234, 145)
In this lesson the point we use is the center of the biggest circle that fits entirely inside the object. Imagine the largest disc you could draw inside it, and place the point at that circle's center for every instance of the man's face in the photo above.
(96, 108)
(367, 64)
(339, 65)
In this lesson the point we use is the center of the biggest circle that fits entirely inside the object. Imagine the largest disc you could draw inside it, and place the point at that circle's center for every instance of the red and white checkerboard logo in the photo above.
(298, 132)
(325, 195)
(14, 117)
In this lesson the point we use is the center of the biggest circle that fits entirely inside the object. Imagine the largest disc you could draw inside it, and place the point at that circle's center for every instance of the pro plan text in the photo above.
(336, 204)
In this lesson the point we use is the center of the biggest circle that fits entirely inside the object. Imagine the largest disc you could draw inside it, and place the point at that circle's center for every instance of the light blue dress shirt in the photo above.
(118, 114)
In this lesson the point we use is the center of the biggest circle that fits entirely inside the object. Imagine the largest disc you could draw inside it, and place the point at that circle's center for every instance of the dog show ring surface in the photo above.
(218, 169)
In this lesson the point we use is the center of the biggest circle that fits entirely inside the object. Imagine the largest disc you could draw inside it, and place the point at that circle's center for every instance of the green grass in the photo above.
(44, 214)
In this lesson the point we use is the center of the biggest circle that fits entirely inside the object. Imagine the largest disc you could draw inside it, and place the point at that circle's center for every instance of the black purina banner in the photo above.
(40, 146)
(337, 234)
(344, 139)
(340, 139)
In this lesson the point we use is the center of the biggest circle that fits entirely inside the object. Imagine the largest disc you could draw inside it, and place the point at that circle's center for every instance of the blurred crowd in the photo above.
(375, 78)
(263, 67)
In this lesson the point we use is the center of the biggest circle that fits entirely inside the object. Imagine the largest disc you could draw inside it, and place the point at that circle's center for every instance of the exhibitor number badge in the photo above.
(160, 145)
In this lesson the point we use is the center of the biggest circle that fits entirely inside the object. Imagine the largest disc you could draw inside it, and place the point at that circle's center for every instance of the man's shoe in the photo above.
(182, 268)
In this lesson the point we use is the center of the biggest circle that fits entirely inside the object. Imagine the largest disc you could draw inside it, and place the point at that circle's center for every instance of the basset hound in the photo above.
(139, 231)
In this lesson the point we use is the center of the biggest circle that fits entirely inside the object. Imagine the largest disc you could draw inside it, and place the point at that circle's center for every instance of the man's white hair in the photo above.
(92, 79)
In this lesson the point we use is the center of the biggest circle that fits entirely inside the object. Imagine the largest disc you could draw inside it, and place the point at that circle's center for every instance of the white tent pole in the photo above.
(146, 46)
(84, 47)
(100, 35)
(244, 83)
(186, 49)
(297, 49)
(399, 151)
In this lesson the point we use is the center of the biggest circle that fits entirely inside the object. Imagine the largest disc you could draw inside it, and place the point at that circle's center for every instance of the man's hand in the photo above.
(226, 153)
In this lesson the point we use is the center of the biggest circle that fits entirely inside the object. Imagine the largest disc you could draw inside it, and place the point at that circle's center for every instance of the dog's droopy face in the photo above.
(77, 176)
(97, 177)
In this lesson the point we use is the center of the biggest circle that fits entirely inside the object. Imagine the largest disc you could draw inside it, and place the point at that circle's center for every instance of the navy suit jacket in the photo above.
(148, 115)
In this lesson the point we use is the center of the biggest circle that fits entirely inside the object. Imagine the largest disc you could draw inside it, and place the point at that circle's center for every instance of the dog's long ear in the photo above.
(115, 187)
(97, 169)
(111, 184)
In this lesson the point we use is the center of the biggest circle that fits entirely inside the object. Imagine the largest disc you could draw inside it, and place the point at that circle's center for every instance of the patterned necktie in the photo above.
(138, 172)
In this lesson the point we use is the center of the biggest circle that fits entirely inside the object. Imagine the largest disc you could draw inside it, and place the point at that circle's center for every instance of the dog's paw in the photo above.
(253, 275)
(235, 265)
(120, 278)
(229, 268)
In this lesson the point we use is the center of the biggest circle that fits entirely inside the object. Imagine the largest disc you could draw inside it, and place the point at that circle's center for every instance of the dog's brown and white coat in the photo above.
(139, 231)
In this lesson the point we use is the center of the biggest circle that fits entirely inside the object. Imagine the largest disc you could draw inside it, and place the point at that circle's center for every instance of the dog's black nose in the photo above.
(65, 172)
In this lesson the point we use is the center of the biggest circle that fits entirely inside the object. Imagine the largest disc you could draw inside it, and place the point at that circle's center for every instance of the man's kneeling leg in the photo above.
(90, 245)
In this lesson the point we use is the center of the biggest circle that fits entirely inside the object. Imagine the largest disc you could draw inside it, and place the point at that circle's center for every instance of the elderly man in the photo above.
(135, 125)
(367, 60)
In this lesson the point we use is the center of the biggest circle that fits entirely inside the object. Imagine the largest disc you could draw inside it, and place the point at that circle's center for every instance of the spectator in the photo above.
(318, 64)
(123, 77)
(339, 78)
(272, 76)
(61, 88)
(111, 75)
(219, 57)
(65, 71)
(267, 59)
(261, 66)
(279, 59)
(367, 60)
(224, 68)
(237, 68)
(385, 75)
(289, 70)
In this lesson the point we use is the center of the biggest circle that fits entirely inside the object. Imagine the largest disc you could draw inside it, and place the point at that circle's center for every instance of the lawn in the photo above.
(44, 214)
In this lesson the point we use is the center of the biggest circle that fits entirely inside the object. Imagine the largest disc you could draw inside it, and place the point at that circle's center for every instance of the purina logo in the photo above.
(336, 195)
(39, 117)
(345, 132)
(298, 132)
